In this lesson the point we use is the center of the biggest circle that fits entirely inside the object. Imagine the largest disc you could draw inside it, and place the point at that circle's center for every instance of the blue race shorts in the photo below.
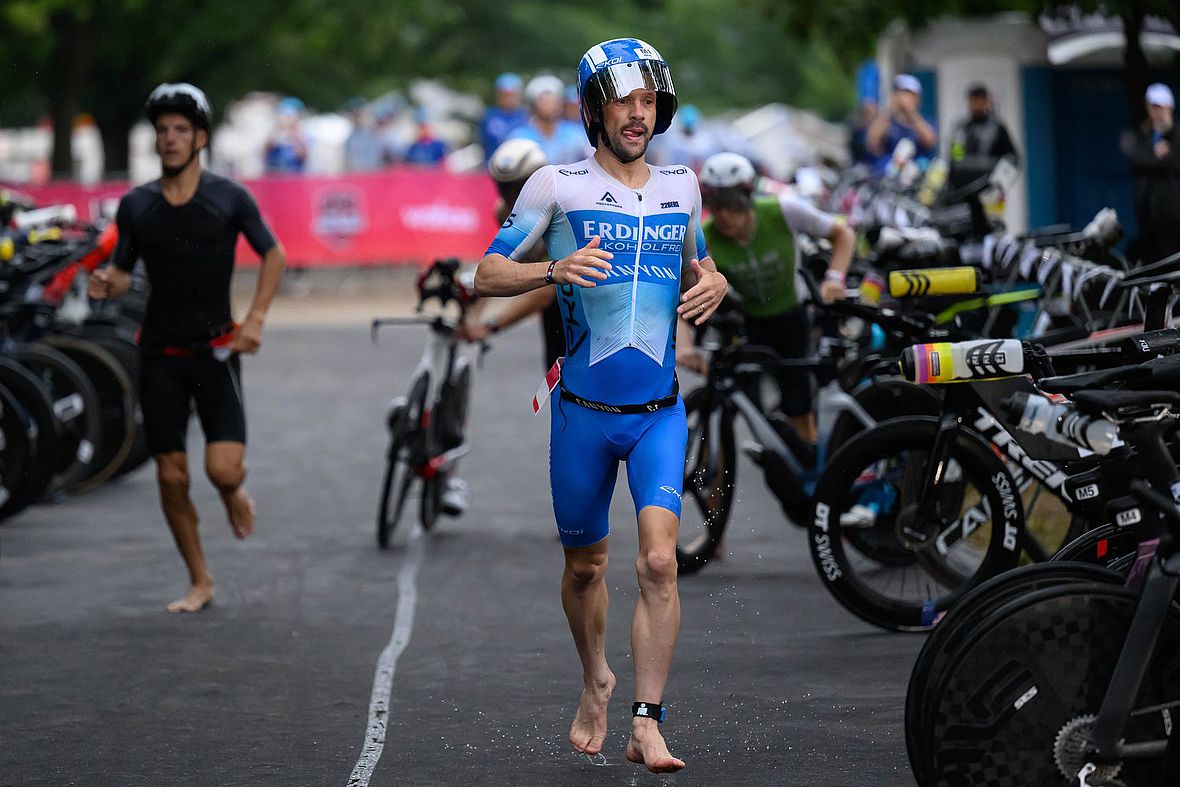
(585, 447)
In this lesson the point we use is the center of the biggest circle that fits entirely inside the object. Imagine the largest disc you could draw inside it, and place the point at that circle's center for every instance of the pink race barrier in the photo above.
(396, 216)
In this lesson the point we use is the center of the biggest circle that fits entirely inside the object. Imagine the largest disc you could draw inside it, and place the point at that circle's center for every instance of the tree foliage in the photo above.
(852, 27)
(69, 56)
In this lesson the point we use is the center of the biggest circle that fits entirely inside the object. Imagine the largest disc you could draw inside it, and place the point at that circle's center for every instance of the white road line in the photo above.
(403, 627)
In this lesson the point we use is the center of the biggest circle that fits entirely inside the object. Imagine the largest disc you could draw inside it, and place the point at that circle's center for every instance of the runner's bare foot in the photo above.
(647, 748)
(240, 508)
(197, 598)
(588, 732)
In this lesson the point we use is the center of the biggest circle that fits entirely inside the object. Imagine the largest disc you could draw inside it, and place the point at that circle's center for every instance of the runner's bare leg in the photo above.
(584, 598)
(653, 633)
(225, 466)
(173, 478)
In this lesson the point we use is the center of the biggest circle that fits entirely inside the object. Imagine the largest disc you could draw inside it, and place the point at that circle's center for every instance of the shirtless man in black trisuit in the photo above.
(185, 227)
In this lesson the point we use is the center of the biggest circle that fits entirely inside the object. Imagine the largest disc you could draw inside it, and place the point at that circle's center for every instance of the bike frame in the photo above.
(1155, 604)
(441, 362)
(752, 361)
(964, 405)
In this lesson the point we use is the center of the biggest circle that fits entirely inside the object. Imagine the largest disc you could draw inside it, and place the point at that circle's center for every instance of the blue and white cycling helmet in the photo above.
(612, 69)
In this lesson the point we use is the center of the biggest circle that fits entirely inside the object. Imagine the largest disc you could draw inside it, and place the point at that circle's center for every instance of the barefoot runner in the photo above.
(622, 240)
(185, 227)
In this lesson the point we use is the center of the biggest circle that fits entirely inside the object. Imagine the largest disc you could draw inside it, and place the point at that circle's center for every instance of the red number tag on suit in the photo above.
(552, 378)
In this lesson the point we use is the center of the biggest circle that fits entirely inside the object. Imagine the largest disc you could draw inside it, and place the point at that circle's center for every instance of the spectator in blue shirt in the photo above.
(286, 152)
(901, 120)
(573, 105)
(563, 141)
(427, 150)
(505, 116)
(364, 151)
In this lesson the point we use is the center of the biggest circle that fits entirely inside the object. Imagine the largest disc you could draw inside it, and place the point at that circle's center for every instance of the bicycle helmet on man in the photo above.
(611, 70)
(183, 99)
(727, 181)
(514, 160)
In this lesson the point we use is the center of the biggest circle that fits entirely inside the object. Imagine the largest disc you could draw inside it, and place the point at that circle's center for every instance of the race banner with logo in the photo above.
(397, 216)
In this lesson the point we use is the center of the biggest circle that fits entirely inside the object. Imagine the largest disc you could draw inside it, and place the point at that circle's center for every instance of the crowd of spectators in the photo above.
(387, 132)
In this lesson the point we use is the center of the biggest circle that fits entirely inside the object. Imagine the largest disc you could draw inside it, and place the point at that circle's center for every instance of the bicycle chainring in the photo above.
(1071, 752)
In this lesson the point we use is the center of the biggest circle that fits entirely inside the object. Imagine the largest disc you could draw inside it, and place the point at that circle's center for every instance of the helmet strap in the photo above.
(172, 172)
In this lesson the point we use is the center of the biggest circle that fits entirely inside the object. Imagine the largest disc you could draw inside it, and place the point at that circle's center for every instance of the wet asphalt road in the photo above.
(773, 683)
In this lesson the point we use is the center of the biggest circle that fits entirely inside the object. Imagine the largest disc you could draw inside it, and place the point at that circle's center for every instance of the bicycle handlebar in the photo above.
(439, 321)
(910, 325)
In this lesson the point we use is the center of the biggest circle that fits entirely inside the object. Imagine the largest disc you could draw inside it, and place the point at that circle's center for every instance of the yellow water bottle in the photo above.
(933, 281)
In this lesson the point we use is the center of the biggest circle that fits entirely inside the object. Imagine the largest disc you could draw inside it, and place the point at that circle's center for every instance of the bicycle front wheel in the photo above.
(404, 424)
(708, 482)
(875, 484)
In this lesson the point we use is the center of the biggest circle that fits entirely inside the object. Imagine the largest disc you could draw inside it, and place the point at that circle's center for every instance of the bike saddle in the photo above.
(1165, 373)
(1099, 402)
(1071, 384)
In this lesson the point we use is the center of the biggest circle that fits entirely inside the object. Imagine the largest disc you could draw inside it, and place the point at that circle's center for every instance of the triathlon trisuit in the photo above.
(620, 334)
(188, 251)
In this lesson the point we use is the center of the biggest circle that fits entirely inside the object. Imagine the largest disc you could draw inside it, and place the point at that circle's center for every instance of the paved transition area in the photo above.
(773, 683)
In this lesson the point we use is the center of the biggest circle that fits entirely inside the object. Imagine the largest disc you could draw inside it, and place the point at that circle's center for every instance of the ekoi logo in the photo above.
(670, 490)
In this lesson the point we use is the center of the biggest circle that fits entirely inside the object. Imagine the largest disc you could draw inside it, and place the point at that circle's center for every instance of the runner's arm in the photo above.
(476, 327)
(524, 306)
(114, 279)
(249, 336)
(803, 217)
(503, 270)
(270, 272)
(500, 275)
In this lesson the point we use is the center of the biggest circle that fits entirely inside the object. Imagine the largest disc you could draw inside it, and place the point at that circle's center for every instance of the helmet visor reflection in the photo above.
(617, 81)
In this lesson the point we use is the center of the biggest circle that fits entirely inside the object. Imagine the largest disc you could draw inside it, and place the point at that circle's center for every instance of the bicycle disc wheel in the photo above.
(117, 397)
(404, 423)
(945, 641)
(876, 481)
(76, 405)
(44, 429)
(1015, 707)
(17, 451)
(116, 340)
(1105, 545)
(709, 476)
